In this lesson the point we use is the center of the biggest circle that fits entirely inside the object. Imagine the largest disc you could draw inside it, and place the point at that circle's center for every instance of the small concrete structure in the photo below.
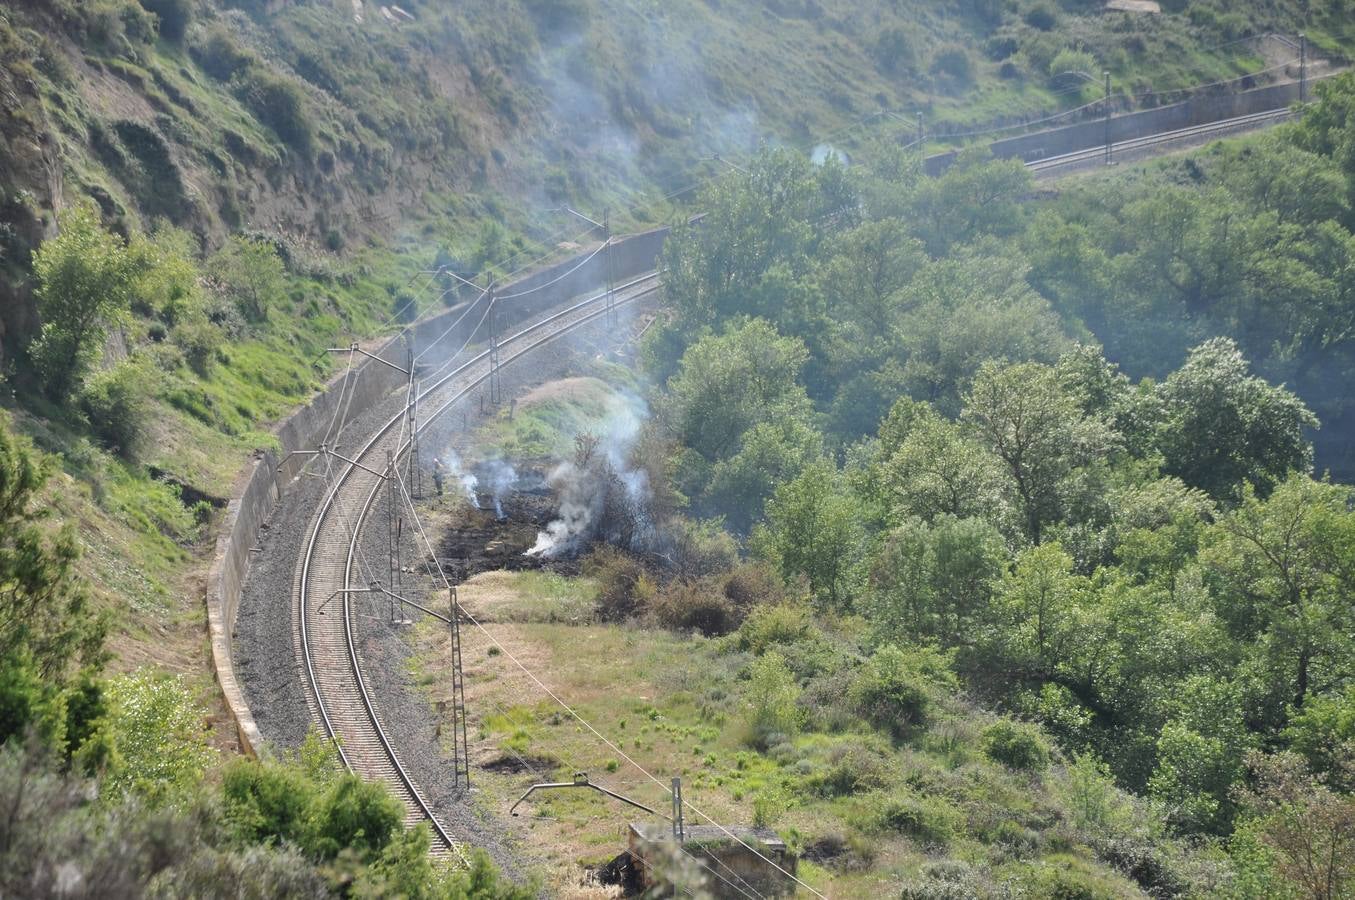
(732, 869)
(1137, 6)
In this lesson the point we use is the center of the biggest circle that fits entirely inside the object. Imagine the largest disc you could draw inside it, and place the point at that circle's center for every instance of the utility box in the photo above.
(730, 868)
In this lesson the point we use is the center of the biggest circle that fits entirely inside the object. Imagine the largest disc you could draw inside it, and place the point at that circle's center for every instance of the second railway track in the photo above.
(332, 565)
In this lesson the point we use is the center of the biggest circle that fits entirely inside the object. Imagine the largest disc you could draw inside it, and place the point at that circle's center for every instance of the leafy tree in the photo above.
(49, 631)
(86, 276)
(1323, 731)
(813, 532)
(963, 311)
(773, 696)
(1220, 428)
(940, 469)
(1040, 600)
(1282, 576)
(157, 728)
(751, 222)
(975, 196)
(728, 383)
(770, 453)
(249, 271)
(1036, 428)
(1309, 828)
(935, 582)
(353, 814)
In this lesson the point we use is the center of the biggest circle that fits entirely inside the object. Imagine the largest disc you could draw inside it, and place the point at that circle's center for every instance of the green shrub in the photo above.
(851, 768)
(118, 403)
(157, 728)
(174, 15)
(624, 588)
(354, 814)
(773, 696)
(1042, 15)
(781, 625)
(697, 605)
(953, 61)
(265, 802)
(893, 690)
(1072, 61)
(928, 821)
(280, 104)
(1016, 745)
(220, 56)
(200, 340)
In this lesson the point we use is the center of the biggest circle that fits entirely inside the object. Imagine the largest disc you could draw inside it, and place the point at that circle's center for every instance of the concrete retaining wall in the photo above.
(262, 484)
(1083, 135)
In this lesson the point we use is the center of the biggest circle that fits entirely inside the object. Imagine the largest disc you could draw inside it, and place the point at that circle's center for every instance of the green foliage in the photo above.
(1016, 745)
(48, 630)
(894, 689)
(174, 16)
(279, 103)
(118, 404)
(249, 272)
(935, 582)
(353, 815)
(624, 588)
(929, 821)
(772, 697)
(813, 532)
(85, 277)
(727, 384)
(158, 732)
(1036, 428)
(1219, 428)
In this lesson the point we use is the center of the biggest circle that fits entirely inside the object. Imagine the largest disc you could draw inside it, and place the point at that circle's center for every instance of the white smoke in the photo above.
(600, 494)
(456, 472)
(501, 478)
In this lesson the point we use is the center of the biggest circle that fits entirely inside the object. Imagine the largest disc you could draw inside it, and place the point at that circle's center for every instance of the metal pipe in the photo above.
(581, 781)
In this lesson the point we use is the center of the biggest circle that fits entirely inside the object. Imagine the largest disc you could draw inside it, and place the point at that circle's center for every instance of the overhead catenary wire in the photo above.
(557, 279)
(418, 525)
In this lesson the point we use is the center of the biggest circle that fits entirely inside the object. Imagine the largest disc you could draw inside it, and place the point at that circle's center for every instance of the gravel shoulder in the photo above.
(266, 659)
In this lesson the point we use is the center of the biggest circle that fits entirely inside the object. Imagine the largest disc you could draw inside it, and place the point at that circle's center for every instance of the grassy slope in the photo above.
(675, 704)
(482, 112)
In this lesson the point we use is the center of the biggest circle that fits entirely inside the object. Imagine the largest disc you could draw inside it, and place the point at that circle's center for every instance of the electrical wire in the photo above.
(418, 524)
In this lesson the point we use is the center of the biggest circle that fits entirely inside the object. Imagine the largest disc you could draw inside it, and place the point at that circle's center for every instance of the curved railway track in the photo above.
(330, 567)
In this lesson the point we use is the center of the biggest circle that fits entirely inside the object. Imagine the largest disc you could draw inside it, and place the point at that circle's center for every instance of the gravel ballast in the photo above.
(266, 658)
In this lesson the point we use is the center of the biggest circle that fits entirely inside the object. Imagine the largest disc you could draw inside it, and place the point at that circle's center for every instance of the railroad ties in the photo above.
(332, 570)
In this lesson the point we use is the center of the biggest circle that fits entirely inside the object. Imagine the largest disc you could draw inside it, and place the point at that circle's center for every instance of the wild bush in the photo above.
(1016, 745)
(929, 821)
(174, 17)
(219, 54)
(695, 604)
(117, 404)
(624, 587)
(780, 625)
(279, 103)
(772, 697)
(894, 688)
(200, 341)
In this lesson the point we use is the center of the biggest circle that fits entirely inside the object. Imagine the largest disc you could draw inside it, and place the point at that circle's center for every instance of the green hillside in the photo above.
(1110, 661)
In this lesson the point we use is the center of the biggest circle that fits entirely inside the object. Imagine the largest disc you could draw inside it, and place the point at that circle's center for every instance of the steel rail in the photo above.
(1194, 131)
(323, 523)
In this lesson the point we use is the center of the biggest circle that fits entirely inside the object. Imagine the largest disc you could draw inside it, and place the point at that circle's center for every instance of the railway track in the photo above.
(1137, 147)
(332, 566)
